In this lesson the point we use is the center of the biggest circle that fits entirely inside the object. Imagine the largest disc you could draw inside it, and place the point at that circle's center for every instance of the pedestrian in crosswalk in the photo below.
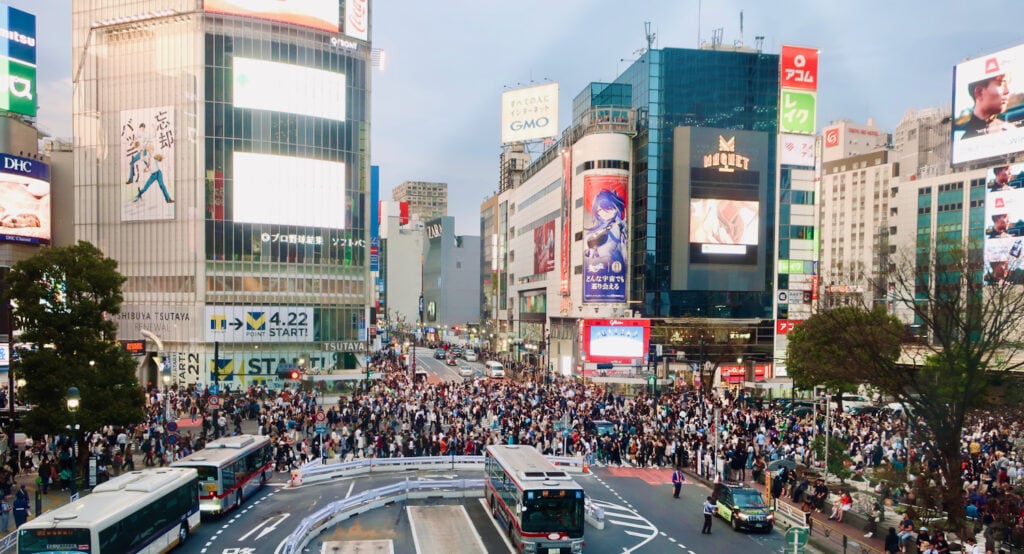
(709, 510)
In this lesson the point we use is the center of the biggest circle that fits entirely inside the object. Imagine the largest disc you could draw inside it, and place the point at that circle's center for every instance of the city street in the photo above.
(640, 516)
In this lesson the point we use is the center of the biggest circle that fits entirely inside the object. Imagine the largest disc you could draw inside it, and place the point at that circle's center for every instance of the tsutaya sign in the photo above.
(343, 346)
(726, 159)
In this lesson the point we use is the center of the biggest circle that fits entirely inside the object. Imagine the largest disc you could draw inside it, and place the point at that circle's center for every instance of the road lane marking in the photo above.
(351, 486)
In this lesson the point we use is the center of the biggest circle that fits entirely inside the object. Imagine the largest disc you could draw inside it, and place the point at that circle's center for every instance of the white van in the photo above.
(495, 370)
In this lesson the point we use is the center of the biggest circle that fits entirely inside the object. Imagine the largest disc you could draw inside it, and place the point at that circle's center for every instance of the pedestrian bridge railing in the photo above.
(324, 519)
(316, 471)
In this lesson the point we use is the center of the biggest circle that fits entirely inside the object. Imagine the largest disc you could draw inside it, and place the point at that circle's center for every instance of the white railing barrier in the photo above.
(315, 471)
(340, 510)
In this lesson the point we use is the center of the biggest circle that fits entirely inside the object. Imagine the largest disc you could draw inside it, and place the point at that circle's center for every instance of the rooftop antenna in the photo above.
(759, 41)
(716, 37)
(649, 35)
(741, 27)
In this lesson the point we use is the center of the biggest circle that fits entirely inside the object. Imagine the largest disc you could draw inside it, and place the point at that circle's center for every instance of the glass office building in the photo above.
(222, 158)
(724, 90)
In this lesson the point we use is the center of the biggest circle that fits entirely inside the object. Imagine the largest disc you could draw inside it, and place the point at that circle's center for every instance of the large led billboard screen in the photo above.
(18, 61)
(529, 113)
(722, 226)
(147, 164)
(318, 14)
(616, 340)
(282, 87)
(287, 190)
(988, 106)
(1004, 225)
(24, 200)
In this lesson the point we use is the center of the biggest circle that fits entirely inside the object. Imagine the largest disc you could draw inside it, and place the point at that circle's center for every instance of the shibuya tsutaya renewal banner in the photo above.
(605, 239)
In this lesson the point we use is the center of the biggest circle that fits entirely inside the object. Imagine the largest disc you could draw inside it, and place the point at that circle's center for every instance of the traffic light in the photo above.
(289, 374)
(652, 381)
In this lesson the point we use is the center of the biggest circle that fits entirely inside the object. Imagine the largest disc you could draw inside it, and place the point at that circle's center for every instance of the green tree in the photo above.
(62, 299)
(971, 337)
(837, 347)
(839, 458)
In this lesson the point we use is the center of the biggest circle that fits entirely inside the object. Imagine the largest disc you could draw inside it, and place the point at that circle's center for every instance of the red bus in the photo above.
(230, 470)
(539, 505)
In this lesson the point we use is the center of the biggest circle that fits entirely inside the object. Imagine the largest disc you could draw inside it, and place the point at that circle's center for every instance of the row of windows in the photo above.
(553, 186)
(602, 164)
(253, 283)
(242, 468)
(137, 529)
(955, 206)
(796, 232)
(951, 186)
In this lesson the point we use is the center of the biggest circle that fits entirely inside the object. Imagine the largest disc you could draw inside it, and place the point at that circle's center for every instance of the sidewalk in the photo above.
(827, 535)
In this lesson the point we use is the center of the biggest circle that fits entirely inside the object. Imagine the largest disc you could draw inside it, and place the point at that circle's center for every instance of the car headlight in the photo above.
(740, 514)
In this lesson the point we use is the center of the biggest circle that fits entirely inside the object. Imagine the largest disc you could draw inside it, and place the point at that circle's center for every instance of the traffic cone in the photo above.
(296, 479)
(586, 466)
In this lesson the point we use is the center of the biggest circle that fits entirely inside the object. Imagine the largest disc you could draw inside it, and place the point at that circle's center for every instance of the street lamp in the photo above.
(74, 398)
(166, 375)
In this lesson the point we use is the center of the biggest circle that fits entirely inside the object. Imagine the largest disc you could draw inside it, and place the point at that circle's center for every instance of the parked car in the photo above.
(439, 354)
(743, 507)
(851, 401)
(602, 427)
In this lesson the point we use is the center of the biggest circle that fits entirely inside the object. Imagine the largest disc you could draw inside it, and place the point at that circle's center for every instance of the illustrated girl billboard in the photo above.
(605, 238)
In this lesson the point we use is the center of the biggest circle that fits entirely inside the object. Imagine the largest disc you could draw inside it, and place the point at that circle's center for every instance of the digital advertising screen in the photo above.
(605, 240)
(24, 200)
(988, 106)
(318, 14)
(288, 190)
(147, 164)
(723, 226)
(616, 340)
(1004, 225)
(289, 88)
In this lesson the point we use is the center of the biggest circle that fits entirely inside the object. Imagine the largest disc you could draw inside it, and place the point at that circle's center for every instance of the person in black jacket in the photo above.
(892, 541)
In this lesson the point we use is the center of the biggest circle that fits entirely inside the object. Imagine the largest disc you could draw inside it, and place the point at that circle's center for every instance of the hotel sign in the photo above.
(726, 159)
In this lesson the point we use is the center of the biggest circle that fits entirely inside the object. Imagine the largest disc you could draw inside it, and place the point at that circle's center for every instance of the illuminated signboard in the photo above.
(135, 347)
(529, 113)
(726, 159)
(24, 200)
(1004, 225)
(18, 61)
(723, 226)
(798, 79)
(988, 106)
(318, 14)
(616, 340)
(282, 87)
(287, 190)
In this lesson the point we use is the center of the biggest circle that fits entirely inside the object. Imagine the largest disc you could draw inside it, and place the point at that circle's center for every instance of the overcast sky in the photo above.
(436, 105)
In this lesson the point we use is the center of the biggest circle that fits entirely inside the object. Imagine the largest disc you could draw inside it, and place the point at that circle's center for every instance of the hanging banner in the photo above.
(605, 239)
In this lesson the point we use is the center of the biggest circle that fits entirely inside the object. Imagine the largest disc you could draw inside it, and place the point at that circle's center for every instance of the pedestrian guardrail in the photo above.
(316, 471)
(322, 520)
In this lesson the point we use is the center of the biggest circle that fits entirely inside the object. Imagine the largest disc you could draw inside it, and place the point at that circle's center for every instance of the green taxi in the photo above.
(743, 507)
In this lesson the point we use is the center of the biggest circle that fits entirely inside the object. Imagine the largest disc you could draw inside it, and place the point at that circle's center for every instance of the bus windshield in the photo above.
(55, 541)
(206, 473)
(552, 514)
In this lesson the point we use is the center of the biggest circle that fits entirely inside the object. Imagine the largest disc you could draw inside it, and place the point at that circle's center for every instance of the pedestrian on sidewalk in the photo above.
(5, 514)
(709, 510)
(677, 482)
(807, 507)
(20, 509)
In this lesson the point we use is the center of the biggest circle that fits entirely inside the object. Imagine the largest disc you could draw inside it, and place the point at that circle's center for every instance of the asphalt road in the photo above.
(640, 516)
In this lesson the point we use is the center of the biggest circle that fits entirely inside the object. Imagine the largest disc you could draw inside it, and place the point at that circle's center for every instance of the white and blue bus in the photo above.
(147, 511)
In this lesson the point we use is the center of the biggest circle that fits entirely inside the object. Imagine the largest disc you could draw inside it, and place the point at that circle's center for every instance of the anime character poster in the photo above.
(147, 164)
(544, 248)
(605, 240)
(565, 261)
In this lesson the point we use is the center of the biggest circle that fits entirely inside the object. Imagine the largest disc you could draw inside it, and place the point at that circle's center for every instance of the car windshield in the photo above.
(748, 499)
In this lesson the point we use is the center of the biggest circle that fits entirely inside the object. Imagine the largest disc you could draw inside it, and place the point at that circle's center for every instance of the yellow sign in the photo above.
(726, 159)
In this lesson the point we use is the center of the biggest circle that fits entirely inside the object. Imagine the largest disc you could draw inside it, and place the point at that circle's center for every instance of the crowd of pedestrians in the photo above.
(678, 427)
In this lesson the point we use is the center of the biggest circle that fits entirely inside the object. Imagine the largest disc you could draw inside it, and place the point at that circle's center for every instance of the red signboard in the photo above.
(136, 347)
(814, 287)
(736, 374)
(831, 137)
(799, 68)
(784, 326)
(621, 341)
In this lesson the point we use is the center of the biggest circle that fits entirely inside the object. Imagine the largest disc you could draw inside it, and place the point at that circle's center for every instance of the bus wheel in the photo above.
(182, 533)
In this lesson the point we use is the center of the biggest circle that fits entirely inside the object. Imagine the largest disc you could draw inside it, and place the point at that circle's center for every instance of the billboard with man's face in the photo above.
(1004, 225)
(988, 106)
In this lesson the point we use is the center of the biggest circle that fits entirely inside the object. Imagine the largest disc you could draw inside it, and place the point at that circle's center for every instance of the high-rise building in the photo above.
(623, 217)
(426, 200)
(222, 160)
(922, 143)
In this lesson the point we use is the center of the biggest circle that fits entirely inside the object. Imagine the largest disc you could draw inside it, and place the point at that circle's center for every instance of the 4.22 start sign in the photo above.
(259, 323)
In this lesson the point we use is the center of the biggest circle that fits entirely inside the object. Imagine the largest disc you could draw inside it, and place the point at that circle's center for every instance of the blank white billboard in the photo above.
(286, 190)
(529, 113)
(282, 87)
